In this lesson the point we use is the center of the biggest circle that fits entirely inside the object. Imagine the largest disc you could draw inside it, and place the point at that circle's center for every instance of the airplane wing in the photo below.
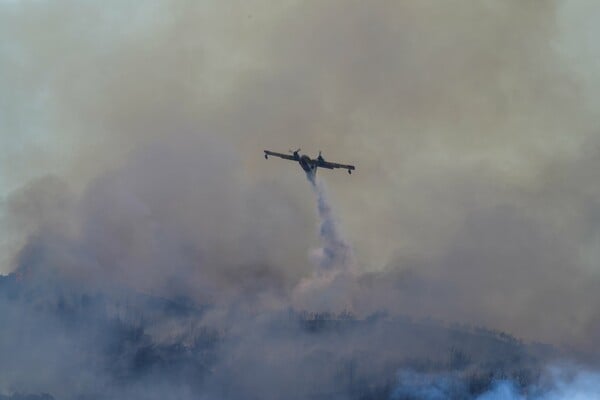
(281, 155)
(330, 165)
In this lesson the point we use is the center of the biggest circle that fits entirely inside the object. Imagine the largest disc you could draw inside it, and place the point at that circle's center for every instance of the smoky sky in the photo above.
(132, 136)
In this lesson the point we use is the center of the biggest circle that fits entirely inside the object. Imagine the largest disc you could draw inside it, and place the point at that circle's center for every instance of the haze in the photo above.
(473, 127)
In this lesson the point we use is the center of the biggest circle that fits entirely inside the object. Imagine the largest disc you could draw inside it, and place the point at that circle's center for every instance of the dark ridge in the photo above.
(116, 330)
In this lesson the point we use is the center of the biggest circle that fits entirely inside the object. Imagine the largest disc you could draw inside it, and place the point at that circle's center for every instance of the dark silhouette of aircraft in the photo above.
(308, 164)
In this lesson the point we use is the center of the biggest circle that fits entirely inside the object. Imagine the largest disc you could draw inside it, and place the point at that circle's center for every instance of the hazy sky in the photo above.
(473, 127)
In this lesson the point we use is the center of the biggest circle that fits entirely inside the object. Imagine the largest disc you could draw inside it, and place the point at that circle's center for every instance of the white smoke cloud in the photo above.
(558, 383)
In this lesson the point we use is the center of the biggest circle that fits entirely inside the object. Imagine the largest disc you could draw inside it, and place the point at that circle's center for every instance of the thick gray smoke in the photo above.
(148, 251)
(473, 125)
(131, 299)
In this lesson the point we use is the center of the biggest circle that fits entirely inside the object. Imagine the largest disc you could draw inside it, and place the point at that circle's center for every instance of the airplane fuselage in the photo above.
(307, 163)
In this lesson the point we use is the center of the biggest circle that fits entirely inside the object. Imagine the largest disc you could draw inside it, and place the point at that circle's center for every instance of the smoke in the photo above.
(558, 383)
(147, 286)
(150, 252)
(473, 125)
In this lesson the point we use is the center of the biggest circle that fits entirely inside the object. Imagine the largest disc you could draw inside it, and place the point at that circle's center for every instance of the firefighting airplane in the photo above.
(308, 164)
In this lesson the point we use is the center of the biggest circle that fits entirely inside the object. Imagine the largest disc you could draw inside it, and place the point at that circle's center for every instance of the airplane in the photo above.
(308, 164)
